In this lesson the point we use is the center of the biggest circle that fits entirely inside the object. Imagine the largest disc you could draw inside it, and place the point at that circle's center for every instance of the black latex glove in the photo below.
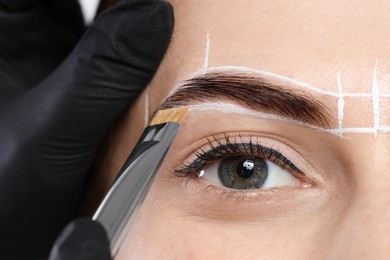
(50, 131)
(82, 239)
(35, 36)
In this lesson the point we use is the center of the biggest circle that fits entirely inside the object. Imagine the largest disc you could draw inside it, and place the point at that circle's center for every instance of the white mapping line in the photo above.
(358, 130)
(202, 71)
(232, 108)
(206, 54)
(146, 119)
(279, 77)
(375, 99)
(365, 95)
(340, 102)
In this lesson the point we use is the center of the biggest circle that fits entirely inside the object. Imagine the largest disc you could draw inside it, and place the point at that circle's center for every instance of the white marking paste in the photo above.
(340, 102)
(206, 54)
(233, 108)
(230, 108)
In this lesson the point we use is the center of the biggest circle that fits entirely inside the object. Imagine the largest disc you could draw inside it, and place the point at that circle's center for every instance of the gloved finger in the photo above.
(35, 41)
(114, 61)
(82, 239)
(104, 4)
(66, 13)
(56, 127)
(17, 5)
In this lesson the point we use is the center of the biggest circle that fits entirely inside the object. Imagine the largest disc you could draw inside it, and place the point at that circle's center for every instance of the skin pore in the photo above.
(337, 208)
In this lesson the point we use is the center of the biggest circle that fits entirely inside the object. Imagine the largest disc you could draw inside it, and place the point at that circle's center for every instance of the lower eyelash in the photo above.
(241, 195)
(230, 147)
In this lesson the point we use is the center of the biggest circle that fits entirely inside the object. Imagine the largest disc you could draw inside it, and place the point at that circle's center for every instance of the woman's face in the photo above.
(290, 159)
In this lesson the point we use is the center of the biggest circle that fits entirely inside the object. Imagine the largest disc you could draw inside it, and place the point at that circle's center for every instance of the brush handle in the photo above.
(116, 212)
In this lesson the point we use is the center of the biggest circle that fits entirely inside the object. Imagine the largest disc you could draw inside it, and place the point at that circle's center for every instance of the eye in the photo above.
(241, 163)
(246, 172)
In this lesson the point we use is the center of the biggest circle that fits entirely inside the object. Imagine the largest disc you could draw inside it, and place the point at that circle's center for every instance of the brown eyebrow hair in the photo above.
(252, 92)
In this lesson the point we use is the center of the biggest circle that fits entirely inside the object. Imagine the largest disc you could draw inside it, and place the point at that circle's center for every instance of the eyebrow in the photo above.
(256, 93)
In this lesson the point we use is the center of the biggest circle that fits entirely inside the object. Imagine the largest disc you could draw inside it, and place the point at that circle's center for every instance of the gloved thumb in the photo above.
(17, 5)
(82, 239)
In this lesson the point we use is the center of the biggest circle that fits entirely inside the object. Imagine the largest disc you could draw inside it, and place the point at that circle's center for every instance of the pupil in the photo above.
(245, 169)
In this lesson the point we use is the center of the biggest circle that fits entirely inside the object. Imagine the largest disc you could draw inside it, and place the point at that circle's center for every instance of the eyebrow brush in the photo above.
(118, 208)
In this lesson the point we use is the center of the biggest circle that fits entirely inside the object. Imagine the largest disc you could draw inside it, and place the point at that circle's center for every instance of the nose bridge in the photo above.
(364, 224)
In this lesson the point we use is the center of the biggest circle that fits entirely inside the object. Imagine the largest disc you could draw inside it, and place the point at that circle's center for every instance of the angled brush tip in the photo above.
(170, 115)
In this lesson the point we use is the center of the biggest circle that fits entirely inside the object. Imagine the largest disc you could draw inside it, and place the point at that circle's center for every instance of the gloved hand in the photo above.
(51, 128)
(82, 239)
(35, 36)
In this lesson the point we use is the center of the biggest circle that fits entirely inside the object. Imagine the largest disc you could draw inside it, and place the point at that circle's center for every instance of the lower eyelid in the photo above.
(212, 202)
(268, 195)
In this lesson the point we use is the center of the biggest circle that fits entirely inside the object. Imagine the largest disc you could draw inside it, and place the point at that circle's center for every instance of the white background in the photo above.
(89, 9)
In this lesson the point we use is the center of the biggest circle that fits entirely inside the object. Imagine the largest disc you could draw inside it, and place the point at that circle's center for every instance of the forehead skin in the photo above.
(308, 41)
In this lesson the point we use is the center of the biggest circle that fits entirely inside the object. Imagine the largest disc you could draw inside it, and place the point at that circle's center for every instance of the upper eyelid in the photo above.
(221, 150)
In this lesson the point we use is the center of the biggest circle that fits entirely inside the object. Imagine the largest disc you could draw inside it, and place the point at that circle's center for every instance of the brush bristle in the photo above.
(170, 115)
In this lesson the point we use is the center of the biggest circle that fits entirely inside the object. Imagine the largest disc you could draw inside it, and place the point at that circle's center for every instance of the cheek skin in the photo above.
(163, 231)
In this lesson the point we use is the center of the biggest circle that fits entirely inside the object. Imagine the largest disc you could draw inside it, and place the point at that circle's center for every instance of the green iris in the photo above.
(243, 172)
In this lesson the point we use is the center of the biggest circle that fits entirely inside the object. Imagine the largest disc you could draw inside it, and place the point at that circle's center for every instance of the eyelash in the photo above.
(228, 147)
